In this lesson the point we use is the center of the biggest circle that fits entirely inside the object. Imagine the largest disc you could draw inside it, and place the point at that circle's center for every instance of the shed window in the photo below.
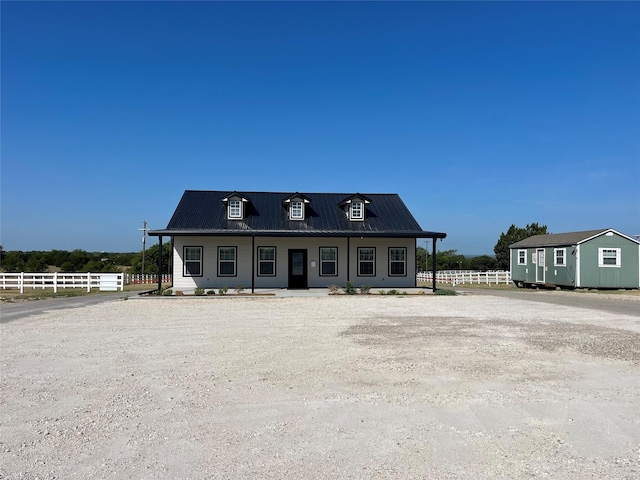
(226, 261)
(522, 257)
(296, 211)
(366, 262)
(235, 209)
(559, 257)
(608, 257)
(397, 262)
(328, 261)
(192, 266)
(266, 261)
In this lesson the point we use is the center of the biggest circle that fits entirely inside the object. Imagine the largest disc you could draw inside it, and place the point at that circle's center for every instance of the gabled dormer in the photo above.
(355, 207)
(296, 206)
(237, 206)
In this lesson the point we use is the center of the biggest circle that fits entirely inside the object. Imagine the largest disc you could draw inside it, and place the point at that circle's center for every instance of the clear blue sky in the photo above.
(479, 114)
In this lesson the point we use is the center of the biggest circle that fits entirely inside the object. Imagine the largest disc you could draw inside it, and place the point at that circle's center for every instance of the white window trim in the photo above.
(555, 257)
(404, 262)
(525, 257)
(234, 261)
(352, 210)
(601, 263)
(185, 273)
(335, 262)
(292, 211)
(260, 262)
(229, 208)
(360, 262)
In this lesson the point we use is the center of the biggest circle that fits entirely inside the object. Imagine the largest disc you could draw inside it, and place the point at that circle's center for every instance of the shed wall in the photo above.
(627, 275)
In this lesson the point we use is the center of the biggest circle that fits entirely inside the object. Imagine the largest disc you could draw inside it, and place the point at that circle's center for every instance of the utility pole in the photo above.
(144, 243)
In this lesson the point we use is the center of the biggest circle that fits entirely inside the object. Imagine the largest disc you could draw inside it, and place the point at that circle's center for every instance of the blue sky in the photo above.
(479, 114)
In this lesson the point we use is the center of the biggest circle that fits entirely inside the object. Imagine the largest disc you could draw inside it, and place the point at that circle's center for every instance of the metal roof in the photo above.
(201, 212)
(557, 239)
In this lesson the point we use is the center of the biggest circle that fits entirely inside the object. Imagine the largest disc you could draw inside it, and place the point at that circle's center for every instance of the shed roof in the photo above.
(557, 239)
(201, 212)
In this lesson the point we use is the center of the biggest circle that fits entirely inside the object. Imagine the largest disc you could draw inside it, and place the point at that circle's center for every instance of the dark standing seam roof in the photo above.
(557, 239)
(203, 213)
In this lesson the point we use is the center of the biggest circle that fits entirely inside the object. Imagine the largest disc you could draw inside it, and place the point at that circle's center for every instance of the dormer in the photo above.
(236, 204)
(296, 206)
(355, 207)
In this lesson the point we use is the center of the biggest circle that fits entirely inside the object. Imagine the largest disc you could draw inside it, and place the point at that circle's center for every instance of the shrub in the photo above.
(365, 289)
(238, 289)
(179, 293)
(198, 291)
(333, 289)
(348, 288)
(211, 292)
(393, 292)
(167, 292)
(382, 292)
(444, 291)
(223, 290)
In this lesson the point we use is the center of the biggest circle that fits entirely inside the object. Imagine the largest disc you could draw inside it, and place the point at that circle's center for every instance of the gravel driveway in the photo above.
(468, 387)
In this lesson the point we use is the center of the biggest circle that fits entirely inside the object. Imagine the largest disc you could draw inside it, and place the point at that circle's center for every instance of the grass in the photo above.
(14, 295)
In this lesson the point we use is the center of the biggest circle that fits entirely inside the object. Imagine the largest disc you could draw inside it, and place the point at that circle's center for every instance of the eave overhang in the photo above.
(298, 234)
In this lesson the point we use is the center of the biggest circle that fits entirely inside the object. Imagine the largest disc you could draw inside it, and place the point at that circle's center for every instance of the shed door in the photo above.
(540, 266)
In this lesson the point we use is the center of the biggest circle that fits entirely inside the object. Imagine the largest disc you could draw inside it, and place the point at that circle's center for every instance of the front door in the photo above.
(298, 269)
(540, 266)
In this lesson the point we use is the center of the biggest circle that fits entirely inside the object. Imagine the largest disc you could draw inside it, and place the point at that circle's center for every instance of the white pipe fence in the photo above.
(454, 277)
(22, 281)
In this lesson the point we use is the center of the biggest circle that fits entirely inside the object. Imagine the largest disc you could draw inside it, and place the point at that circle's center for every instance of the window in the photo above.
(266, 261)
(559, 257)
(397, 262)
(329, 261)
(608, 257)
(357, 210)
(226, 261)
(522, 257)
(366, 261)
(192, 265)
(235, 209)
(296, 211)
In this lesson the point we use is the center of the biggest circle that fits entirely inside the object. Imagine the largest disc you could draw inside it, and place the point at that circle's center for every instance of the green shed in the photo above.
(591, 259)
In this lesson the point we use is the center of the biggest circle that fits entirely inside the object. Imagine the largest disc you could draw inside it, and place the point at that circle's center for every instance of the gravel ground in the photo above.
(323, 387)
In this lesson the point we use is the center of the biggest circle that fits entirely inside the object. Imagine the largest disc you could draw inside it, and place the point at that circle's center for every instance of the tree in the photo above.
(513, 235)
(151, 260)
(482, 263)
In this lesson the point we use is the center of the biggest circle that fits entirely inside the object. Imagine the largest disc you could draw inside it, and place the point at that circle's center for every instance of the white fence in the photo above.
(147, 278)
(454, 277)
(22, 281)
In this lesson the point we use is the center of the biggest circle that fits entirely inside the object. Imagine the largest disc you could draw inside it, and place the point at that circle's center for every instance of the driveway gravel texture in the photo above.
(334, 387)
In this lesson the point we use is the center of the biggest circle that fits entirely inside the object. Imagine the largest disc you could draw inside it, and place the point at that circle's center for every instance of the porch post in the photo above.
(433, 263)
(348, 258)
(159, 264)
(253, 263)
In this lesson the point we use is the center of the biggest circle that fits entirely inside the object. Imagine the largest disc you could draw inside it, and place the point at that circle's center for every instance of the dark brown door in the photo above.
(298, 269)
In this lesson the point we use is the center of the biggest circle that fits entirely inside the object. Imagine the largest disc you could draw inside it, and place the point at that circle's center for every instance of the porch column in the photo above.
(253, 263)
(433, 264)
(159, 264)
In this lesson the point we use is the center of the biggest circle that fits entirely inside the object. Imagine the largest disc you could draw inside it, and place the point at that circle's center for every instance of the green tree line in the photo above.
(83, 261)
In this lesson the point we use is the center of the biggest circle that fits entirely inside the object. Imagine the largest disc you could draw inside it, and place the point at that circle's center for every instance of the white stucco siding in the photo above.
(210, 279)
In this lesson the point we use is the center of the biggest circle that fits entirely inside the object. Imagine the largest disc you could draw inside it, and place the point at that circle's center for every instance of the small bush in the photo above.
(348, 288)
(167, 292)
(444, 291)
(211, 292)
(382, 292)
(333, 289)
(223, 290)
(393, 292)
(365, 289)
(238, 289)
(198, 292)
(179, 293)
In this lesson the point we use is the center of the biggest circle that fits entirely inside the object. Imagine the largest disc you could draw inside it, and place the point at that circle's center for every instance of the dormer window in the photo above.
(357, 210)
(237, 205)
(235, 209)
(295, 204)
(355, 207)
(296, 210)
